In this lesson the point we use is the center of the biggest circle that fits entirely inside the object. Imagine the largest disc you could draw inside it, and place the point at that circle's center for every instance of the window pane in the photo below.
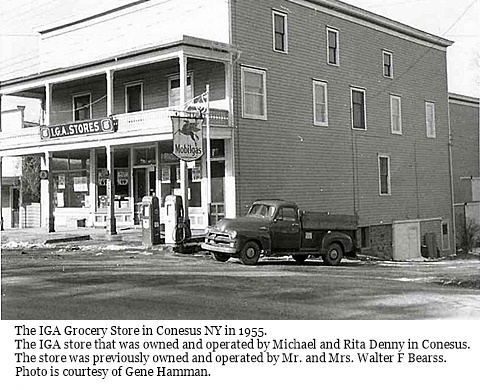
(384, 175)
(279, 24)
(320, 104)
(82, 107)
(358, 107)
(254, 94)
(134, 98)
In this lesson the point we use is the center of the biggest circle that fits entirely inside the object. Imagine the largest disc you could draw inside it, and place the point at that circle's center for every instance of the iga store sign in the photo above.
(93, 126)
(187, 137)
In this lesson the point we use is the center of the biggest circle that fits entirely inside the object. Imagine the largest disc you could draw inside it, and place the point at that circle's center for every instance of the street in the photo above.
(93, 283)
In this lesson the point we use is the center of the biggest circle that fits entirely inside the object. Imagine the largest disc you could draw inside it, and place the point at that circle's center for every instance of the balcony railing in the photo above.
(141, 123)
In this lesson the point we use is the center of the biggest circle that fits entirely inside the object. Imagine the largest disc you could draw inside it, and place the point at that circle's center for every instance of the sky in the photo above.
(454, 20)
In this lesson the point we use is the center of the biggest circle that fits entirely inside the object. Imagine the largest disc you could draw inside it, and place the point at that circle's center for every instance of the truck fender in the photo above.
(264, 240)
(344, 239)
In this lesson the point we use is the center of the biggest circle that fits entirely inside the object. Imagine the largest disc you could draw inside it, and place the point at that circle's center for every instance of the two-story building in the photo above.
(315, 101)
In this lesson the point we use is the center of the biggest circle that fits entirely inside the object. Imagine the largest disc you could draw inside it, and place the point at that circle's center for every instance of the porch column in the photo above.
(48, 104)
(183, 165)
(47, 200)
(111, 222)
(158, 174)
(93, 186)
(1, 213)
(109, 75)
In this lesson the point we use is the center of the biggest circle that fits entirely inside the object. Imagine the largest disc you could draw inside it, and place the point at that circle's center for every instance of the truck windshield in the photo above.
(262, 211)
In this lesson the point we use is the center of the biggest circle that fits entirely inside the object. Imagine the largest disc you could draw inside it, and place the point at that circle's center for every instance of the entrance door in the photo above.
(406, 238)
(143, 185)
(15, 207)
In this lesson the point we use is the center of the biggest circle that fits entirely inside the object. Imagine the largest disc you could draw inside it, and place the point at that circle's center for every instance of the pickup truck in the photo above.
(279, 228)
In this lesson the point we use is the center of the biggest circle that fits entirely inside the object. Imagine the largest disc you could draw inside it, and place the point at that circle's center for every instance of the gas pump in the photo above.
(150, 216)
(176, 228)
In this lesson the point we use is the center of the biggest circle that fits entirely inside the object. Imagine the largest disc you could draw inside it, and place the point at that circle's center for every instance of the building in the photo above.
(15, 213)
(465, 128)
(319, 102)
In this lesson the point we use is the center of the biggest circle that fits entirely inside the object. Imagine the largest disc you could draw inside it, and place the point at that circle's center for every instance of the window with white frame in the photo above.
(387, 64)
(174, 90)
(396, 114)
(332, 46)
(384, 174)
(280, 36)
(320, 103)
(133, 97)
(430, 119)
(254, 95)
(359, 119)
(82, 107)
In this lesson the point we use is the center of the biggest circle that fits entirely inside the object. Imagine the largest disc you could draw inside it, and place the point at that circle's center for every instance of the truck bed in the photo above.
(312, 220)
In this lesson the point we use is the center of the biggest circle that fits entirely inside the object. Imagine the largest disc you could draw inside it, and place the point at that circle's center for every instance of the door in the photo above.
(144, 184)
(15, 199)
(285, 229)
(406, 238)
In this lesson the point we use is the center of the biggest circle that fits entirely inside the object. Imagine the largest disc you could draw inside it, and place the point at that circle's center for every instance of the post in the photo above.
(183, 165)
(209, 168)
(47, 198)
(109, 76)
(111, 222)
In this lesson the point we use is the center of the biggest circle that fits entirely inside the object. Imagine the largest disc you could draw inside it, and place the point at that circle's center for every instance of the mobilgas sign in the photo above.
(187, 137)
(93, 126)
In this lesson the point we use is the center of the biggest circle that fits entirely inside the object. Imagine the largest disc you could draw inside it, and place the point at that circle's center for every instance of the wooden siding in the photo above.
(464, 122)
(287, 157)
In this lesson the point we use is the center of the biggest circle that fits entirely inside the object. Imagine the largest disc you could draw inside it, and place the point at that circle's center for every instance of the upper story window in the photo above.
(359, 120)
(332, 47)
(134, 97)
(174, 90)
(320, 103)
(396, 114)
(280, 38)
(254, 94)
(82, 107)
(384, 174)
(430, 119)
(387, 64)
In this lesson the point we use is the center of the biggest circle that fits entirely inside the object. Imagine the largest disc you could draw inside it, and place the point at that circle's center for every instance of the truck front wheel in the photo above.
(223, 257)
(334, 255)
(250, 253)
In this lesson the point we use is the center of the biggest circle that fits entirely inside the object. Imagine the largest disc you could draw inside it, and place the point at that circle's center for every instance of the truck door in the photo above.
(285, 229)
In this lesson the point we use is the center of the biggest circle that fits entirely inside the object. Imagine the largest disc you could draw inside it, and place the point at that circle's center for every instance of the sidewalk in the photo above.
(88, 237)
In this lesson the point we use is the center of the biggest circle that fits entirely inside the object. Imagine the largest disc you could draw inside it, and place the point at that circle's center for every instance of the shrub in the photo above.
(468, 236)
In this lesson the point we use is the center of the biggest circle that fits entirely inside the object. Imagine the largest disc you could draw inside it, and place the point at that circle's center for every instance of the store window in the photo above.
(82, 107)
(71, 175)
(145, 156)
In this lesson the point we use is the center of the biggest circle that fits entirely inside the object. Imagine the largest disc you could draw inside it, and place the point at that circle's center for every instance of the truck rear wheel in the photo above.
(223, 257)
(334, 255)
(250, 253)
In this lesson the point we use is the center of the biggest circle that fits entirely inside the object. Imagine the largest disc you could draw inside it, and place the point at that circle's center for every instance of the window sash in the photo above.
(358, 109)
(279, 32)
(134, 97)
(430, 119)
(332, 46)
(320, 103)
(384, 174)
(254, 93)
(387, 64)
(396, 114)
(174, 90)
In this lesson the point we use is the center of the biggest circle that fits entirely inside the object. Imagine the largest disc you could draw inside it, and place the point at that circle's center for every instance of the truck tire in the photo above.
(250, 253)
(334, 255)
(223, 257)
(300, 258)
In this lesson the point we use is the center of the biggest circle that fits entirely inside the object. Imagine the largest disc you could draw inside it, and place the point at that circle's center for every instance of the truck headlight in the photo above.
(233, 233)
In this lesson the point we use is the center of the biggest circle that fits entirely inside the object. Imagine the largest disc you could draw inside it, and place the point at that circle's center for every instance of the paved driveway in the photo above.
(97, 283)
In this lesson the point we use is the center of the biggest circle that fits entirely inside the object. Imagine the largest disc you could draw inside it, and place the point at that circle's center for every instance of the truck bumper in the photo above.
(221, 249)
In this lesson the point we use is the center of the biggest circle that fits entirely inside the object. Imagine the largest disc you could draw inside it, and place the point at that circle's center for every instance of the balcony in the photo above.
(137, 127)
